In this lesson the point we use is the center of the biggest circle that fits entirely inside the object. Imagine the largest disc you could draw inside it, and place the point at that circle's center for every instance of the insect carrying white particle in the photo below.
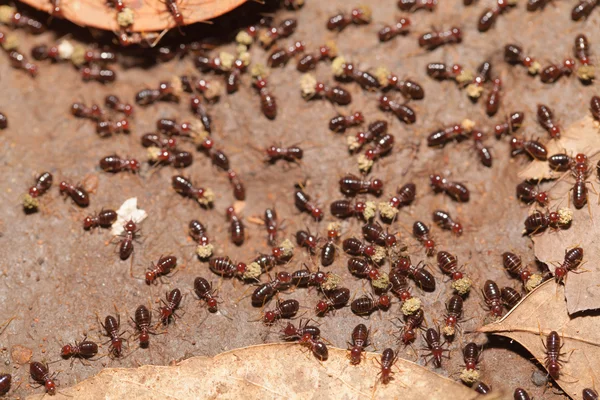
(128, 211)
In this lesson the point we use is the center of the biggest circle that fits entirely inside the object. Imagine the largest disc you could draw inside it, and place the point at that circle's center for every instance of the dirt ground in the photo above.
(56, 278)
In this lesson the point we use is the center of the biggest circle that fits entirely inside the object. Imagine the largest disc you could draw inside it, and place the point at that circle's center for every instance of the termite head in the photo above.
(165, 313)
(553, 218)
(321, 308)
(373, 274)
(457, 229)
(385, 301)
(456, 275)
(408, 336)
(355, 354)
(34, 191)
(269, 317)
(66, 351)
(212, 304)
(241, 268)
(560, 273)
(569, 63)
(50, 387)
(542, 198)
(580, 158)
(306, 338)
(436, 181)
(272, 151)
(230, 212)
(284, 277)
(385, 374)
(289, 330)
(390, 240)
(317, 213)
(134, 165)
(130, 226)
(451, 321)
(144, 338)
(150, 277)
(553, 369)
(63, 186)
(384, 103)
(117, 344)
(470, 365)
(377, 185)
(496, 310)
(429, 246)
(88, 222)
(403, 264)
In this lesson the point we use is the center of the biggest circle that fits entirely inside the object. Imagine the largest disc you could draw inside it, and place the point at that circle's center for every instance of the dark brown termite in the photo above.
(411, 90)
(448, 263)
(83, 349)
(445, 221)
(580, 171)
(169, 308)
(329, 248)
(412, 322)
(545, 117)
(514, 55)
(303, 203)
(112, 327)
(595, 107)
(528, 193)
(267, 37)
(484, 153)
(537, 221)
(19, 61)
(400, 27)
(493, 298)
(475, 88)
(456, 191)
(223, 266)
(5, 382)
(374, 233)
(441, 137)
(560, 162)
(309, 61)
(367, 304)
(114, 103)
(513, 264)
(490, 15)
(77, 193)
(347, 208)
(239, 190)
(422, 234)
(553, 347)
(441, 71)
(280, 57)
(128, 236)
(186, 188)
(351, 185)
(104, 219)
(554, 72)
(290, 154)
(313, 89)
(98, 74)
(405, 195)
(494, 98)
(383, 145)
(163, 266)
(305, 278)
(533, 148)
(511, 125)
(18, 20)
(334, 299)
(388, 359)
(42, 184)
(436, 350)
(454, 309)
(358, 16)
(534, 5)
(173, 9)
(200, 112)
(205, 292)
(403, 112)
(318, 348)
(583, 9)
(106, 128)
(347, 71)
(266, 291)
(414, 5)
(272, 225)
(291, 332)
(589, 394)
(236, 227)
(471, 354)
(435, 39)
(142, 321)
(95, 56)
(421, 276)
(39, 372)
(360, 340)
(94, 112)
(114, 164)
(166, 92)
(283, 310)
(361, 267)
(268, 104)
(573, 259)
(340, 122)
(374, 130)
(482, 388)
(510, 297)
(305, 239)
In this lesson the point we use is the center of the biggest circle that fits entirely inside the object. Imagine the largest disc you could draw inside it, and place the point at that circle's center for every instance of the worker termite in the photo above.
(200, 112)
(436, 350)
(305, 278)
(83, 349)
(494, 98)
(286, 28)
(419, 274)
(560, 162)
(412, 322)
(360, 15)
(533, 148)
(361, 267)
(538, 221)
(305, 239)
(482, 388)
(513, 265)
(169, 308)
(19, 61)
(303, 203)
(374, 233)
(128, 236)
(166, 91)
(514, 55)
(236, 227)
(454, 72)
(553, 347)
(173, 9)
(388, 359)
(340, 122)
(545, 118)
(403, 112)
(595, 107)
(142, 321)
(163, 266)
(415, 5)
(318, 348)
(411, 90)
(351, 185)
(112, 327)
(490, 15)
(400, 27)
(280, 57)
(268, 104)
(186, 188)
(266, 291)
(290, 332)
(586, 71)
(528, 193)
(114, 103)
(421, 233)
(573, 258)
(374, 131)
(174, 157)
(312, 89)
(106, 128)
(583, 9)
(104, 219)
(346, 71)
(360, 340)
(5, 382)
(224, 267)
(355, 247)
(471, 354)
(405, 195)
(42, 184)
(441, 137)
(98, 74)
(589, 394)
(39, 372)
(272, 225)
(98, 56)
(347, 208)
(329, 248)
(93, 113)
(554, 72)
(284, 309)
(510, 297)
(433, 40)
(334, 299)
(114, 164)
(511, 125)
(309, 61)
(77, 193)
(492, 298)
(18, 20)
(580, 171)
(445, 221)
(290, 154)
(367, 304)
(448, 263)
(475, 88)
(457, 191)
(454, 309)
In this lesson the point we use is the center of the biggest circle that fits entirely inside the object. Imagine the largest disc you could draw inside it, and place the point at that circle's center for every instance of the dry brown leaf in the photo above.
(580, 137)
(582, 286)
(267, 371)
(544, 310)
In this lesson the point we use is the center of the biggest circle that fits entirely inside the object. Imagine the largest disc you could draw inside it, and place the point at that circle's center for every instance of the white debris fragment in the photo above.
(128, 211)
(65, 49)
